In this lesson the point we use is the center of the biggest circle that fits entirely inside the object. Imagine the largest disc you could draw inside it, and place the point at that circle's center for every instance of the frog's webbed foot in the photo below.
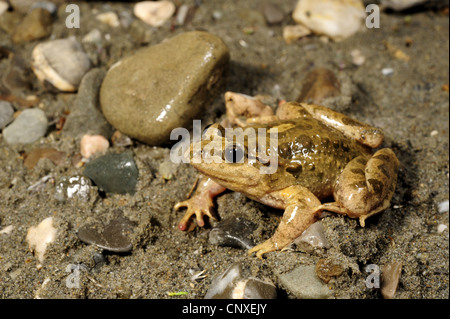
(261, 249)
(199, 206)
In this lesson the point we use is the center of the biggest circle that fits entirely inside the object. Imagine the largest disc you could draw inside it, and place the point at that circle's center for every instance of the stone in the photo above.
(113, 173)
(337, 19)
(92, 144)
(111, 236)
(303, 282)
(318, 85)
(35, 25)
(52, 154)
(235, 284)
(61, 62)
(85, 115)
(47, 5)
(292, 33)
(312, 238)
(110, 18)
(3, 7)
(6, 113)
(162, 87)
(40, 236)
(272, 13)
(74, 187)
(28, 127)
(154, 13)
(390, 275)
(233, 232)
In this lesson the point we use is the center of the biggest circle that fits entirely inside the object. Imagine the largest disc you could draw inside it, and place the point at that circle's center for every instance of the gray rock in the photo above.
(111, 237)
(36, 25)
(272, 13)
(161, 87)
(85, 115)
(234, 284)
(113, 173)
(304, 283)
(312, 238)
(28, 127)
(6, 114)
(233, 232)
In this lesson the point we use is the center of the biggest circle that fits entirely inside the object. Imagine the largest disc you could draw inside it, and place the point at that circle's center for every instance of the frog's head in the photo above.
(228, 156)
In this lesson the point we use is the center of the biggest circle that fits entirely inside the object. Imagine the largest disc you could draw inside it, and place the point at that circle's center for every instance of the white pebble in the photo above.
(182, 14)
(40, 236)
(357, 57)
(441, 228)
(443, 206)
(91, 144)
(109, 18)
(387, 71)
(3, 7)
(434, 133)
(94, 36)
(7, 230)
(154, 13)
(292, 33)
(337, 19)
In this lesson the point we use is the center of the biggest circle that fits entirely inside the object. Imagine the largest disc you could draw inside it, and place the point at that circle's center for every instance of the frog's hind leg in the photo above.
(365, 134)
(365, 186)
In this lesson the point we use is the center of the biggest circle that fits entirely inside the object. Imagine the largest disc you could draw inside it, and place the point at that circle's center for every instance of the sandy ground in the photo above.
(410, 105)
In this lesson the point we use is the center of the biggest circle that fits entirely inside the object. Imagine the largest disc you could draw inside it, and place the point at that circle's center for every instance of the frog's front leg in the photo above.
(365, 186)
(201, 203)
(302, 209)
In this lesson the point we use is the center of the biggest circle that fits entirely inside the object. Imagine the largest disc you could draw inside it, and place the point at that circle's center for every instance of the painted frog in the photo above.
(320, 154)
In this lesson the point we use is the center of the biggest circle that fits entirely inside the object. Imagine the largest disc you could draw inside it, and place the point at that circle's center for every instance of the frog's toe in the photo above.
(199, 213)
(263, 248)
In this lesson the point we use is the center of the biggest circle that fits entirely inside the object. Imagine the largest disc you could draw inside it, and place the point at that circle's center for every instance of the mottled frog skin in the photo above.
(320, 153)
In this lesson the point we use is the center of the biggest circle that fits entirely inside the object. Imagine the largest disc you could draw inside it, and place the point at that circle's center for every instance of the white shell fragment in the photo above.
(154, 13)
(337, 19)
(61, 62)
(40, 236)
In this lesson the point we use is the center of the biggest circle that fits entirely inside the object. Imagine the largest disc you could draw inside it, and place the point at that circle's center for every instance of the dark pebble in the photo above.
(113, 173)
(111, 237)
(233, 232)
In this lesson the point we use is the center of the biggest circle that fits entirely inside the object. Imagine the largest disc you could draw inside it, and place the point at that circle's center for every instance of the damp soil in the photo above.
(411, 105)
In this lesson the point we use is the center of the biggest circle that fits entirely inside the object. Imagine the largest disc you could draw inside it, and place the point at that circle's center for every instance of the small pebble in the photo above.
(6, 114)
(182, 13)
(94, 36)
(318, 85)
(434, 133)
(111, 237)
(154, 13)
(36, 25)
(113, 173)
(303, 282)
(47, 5)
(92, 144)
(73, 187)
(40, 236)
(28, 127)
(441, 228)
(62, 62)
(232, 284)
(387, 71)
(312, 238)
(357, 57)
(443, 207)
(167, 169)
(109, 18)
(292, 33)
(52, 154)
(337, 19)
(390, 275)
(272, 13)
(217, 14)
(3, 7)
(7, 230)
(233, 232)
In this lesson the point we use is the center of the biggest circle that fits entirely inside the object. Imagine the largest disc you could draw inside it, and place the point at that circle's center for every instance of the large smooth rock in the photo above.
(164, 86)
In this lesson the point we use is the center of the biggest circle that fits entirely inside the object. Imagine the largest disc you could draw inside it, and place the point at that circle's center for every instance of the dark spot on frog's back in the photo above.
(376, 185)
(295, 170)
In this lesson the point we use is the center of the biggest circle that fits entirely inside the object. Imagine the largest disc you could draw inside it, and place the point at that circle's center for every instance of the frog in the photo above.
(326, 162)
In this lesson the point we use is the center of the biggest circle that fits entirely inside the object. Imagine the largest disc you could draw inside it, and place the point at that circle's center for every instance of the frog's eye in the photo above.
(234, 154)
